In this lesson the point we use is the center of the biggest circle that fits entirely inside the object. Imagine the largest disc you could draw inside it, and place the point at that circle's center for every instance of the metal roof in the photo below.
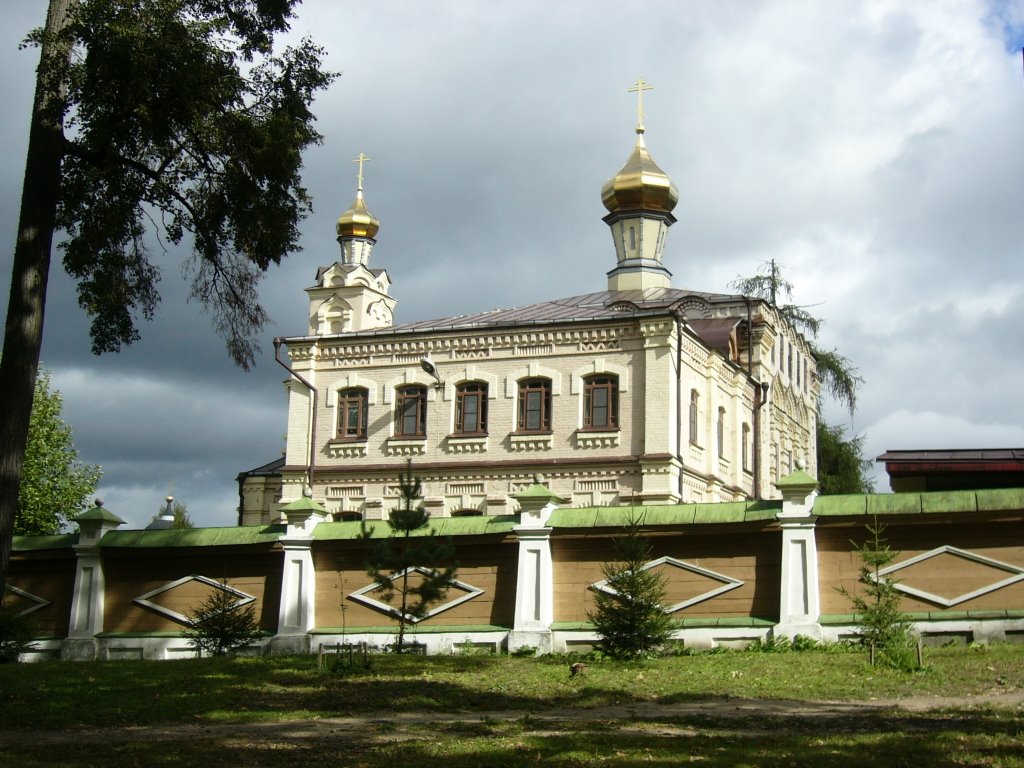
(602, 305)
(955, 455)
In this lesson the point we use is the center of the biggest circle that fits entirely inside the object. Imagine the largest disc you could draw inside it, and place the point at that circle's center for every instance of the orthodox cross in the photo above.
(359, 177)
(639, 89)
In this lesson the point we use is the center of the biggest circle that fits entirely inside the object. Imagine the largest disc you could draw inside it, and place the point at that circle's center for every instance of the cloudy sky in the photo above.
(875, 149)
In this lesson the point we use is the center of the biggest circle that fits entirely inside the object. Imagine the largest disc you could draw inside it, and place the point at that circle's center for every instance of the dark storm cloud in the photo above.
(874, 152)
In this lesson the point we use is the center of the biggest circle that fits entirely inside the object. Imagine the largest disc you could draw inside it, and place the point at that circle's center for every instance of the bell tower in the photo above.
(640, 199)
(349, 295)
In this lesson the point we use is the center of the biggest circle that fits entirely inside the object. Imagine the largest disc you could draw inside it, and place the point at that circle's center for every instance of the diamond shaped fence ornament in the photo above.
(363, 596)
(1016, 574)
(244, 598)
(37, 603)
(728, 583)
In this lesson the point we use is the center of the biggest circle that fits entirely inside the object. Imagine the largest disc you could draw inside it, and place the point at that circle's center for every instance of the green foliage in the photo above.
(16, 632)
(629, 617)
(781, 644)
(154, 121)
(54, 484)
(219, 626)
(182, 108)
(883, 626)
(409, 566)
(841, 466)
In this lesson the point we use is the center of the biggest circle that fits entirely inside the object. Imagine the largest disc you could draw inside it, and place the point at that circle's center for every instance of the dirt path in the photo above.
(725, 712)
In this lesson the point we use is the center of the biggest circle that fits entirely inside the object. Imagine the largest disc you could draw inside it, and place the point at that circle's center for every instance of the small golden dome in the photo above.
(357, 221)
(640, 184)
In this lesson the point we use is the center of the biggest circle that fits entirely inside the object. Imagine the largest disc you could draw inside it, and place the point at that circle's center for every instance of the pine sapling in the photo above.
(407, 563)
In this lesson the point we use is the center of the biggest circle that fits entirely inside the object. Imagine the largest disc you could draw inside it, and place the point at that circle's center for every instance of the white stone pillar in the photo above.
(535, 603)
(799, 602)
(297, 610)
(87, 603)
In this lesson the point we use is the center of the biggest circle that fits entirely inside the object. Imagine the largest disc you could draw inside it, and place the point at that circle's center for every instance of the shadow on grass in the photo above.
(530, 740)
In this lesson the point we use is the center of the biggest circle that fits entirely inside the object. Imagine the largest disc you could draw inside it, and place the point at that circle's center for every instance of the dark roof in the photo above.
(955, 455)
(716, 332)
(270, 469)
(964, 467)
(603, 305)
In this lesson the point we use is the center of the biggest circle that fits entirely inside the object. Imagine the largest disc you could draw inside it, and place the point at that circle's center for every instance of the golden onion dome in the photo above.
(640, 184)
(357, 221)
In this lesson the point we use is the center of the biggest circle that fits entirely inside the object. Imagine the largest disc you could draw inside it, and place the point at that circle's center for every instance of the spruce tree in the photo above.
(628, 614)
(407, 563)
(884, 627)
(220, 626)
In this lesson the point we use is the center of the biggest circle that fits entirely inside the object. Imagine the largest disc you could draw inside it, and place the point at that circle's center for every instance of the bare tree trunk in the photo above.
(23, 333)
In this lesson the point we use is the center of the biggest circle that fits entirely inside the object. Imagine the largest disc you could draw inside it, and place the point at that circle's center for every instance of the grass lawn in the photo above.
(715, 709)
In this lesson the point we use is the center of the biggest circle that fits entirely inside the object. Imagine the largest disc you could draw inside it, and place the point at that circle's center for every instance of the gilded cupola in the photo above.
(640, 184)
(640, 199)
(357, 221)
(357, 227)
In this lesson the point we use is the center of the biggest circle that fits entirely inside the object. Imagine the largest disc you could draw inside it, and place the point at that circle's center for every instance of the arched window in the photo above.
(411, 411)
(471, 408)
(601, 402)
(632, 238)
(694, 397)
(534, 412)
(720, 433)
(352, 413)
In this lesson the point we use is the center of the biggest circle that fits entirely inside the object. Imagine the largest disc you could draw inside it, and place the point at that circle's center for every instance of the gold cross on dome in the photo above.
(359, 177)
(639, 89)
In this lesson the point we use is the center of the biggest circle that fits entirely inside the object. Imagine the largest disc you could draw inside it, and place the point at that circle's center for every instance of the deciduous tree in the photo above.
(55, 485)
(154, 119)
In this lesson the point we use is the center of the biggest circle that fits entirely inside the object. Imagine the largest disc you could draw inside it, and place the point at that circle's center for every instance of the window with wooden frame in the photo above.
(534, 412)
(471, 408)
(720, 433)
(411, 411)
(694, 400)
(352, 413)
(601, 402)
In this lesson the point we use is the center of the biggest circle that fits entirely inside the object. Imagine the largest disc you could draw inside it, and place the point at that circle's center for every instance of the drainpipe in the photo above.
(312, 427)
(679, 401)
(750, 337)
(760, 398)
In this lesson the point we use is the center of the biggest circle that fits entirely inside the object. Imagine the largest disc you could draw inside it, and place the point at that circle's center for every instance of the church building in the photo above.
(642, 394)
